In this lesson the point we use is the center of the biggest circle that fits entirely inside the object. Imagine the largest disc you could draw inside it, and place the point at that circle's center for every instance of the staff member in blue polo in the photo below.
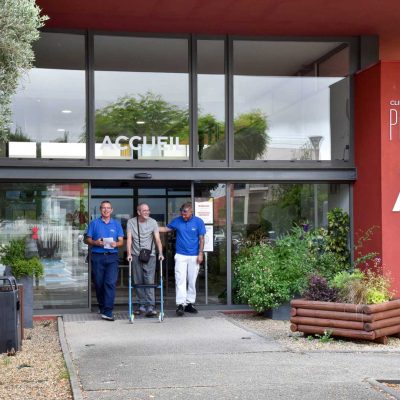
(105, 235)
(190, 231)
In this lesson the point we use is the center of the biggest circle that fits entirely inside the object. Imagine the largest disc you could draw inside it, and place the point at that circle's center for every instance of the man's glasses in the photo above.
(106, 208)
(185, 211)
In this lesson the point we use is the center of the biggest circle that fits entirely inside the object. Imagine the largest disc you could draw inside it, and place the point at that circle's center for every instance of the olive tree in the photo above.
(20, 21)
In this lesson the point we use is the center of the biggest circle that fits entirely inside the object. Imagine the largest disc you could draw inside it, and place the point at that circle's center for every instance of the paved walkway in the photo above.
(208, 357)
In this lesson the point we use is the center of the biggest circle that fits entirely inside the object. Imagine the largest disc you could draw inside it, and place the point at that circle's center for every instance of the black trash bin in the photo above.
(10, 330)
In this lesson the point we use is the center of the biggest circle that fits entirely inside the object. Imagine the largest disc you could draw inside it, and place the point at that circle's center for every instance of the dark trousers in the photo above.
(105, 275)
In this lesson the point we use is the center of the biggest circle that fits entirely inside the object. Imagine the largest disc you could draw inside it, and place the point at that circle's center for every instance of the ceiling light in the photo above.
(60, 130)
(66, 111)
(140, 122)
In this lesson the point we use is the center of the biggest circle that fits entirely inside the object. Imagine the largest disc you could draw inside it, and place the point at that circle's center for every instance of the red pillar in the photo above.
(377, 157)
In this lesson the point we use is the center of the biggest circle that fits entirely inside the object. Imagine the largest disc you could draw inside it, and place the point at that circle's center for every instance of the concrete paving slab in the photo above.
(208, 357)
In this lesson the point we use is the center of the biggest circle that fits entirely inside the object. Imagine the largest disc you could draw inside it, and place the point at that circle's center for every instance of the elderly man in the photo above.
(142, 232)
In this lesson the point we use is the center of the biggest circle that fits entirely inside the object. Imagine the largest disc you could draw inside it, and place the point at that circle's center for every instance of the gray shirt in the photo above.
(146, 230)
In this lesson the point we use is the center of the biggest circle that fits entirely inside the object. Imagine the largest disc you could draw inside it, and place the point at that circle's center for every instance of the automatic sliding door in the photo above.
(210, 204)
(164, 202)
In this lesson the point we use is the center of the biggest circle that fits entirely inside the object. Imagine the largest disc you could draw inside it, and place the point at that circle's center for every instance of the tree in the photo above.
(150, 115)
(251, 137)
(145, 115)
(19, 24)
(211, 132)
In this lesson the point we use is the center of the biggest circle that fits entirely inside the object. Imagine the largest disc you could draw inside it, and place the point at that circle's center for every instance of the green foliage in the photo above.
(19, 24)
(13, 255)
(326, 337)
(267, 276)
(341, 279)
(257, 279)
(293, 257)
(363, 287)
(160, 118)
(212, 133)
(251, 138)
(362, 258)
(338, 231)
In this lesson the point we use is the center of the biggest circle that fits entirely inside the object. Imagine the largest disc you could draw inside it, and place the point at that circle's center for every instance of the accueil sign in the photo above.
(136, 142)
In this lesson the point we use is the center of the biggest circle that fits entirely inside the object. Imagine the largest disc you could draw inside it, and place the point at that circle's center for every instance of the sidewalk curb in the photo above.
(384, 388)
(73, 378)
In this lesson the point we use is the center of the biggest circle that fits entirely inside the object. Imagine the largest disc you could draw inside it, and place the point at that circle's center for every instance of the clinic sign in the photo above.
(394, 131)
(136, 142)
(394, 120)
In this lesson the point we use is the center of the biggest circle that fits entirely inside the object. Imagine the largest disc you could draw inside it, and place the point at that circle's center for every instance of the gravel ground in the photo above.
(37, 371)
(295, 341)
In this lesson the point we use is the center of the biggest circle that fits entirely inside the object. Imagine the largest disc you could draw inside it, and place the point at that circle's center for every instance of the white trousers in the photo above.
(186, 271)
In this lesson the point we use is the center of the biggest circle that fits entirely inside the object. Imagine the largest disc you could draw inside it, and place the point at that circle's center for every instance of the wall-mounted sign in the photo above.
(135, 142)
(396, 207)
(209, 238)
(394, 118)
(204, 209)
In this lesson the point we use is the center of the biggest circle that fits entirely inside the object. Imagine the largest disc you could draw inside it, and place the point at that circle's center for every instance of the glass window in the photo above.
(141, 98)
(272, 209)
(211, 99)
(291, 100)
(210, 205)
(49, 107)
(59, 215)
(265, 211)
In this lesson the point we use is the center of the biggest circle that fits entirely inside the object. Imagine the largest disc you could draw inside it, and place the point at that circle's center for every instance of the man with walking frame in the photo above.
(142, 233)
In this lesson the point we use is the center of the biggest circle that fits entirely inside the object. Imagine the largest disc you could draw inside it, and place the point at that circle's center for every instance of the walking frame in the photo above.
(154, 286)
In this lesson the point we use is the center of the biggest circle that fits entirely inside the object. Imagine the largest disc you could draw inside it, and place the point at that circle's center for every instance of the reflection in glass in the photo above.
(141, 98)
(211, 99)
(287, 92)
(59, 213)
(49, 107)
(264, 211)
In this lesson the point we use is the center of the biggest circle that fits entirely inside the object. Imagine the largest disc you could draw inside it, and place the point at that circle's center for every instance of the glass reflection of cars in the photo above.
(82, 246)
(237, 241)
(219, 236)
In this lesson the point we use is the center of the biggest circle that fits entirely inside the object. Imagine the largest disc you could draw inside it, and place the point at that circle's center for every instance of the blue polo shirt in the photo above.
(99, 229)
(187, 234)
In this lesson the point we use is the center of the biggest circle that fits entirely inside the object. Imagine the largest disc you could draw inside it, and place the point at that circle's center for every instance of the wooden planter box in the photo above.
(355, 321)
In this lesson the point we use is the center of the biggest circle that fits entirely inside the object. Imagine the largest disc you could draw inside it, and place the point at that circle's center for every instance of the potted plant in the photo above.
(267, 277)
(19, 262)
(356, 304)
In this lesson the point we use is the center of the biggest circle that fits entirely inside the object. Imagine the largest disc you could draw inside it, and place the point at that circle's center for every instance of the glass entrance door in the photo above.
(164, 202)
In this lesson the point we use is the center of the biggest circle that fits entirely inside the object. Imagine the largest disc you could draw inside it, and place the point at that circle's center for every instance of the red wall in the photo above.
(378, 162)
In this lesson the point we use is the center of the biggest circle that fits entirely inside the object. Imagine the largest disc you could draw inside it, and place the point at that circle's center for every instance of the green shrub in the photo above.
(267, 276)
(257, 281)
(294, 263)
(363, 287)
(13, 255)
(338, 231)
